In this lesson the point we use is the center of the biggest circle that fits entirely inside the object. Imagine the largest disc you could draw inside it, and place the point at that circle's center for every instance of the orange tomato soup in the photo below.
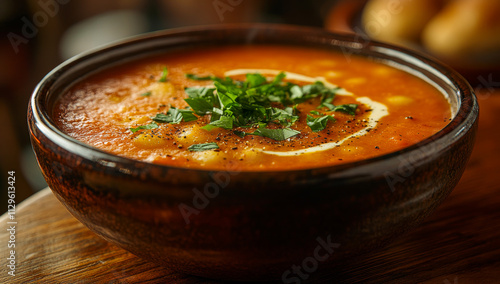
(394, 110)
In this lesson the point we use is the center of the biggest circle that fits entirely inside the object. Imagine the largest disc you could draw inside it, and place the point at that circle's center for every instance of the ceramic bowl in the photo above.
(251, 225)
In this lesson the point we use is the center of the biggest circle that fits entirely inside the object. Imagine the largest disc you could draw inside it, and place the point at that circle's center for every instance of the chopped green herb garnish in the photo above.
(203, 147)
(200, 106)
(278, 134)
(347, 108)
(164, 75)
(146, 94)
(253, 102)
(240, 133)
(319, 123)
(225, 122)
(199, 78)
(175, 116)
(152, 125)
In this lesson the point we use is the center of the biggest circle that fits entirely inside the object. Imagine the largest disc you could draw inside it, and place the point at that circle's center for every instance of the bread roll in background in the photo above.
(398, 21)
(466, 32)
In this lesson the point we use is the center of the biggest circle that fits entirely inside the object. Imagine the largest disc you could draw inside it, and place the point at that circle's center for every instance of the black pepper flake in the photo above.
(234, 148)
(409, 117)
(376, 147)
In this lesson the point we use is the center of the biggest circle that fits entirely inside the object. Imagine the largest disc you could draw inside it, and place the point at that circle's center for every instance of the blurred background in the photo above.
(37, 35)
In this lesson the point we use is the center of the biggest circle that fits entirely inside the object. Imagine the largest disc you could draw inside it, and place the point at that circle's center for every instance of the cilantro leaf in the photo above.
(152, 125)
(319, 123)
(203, 147)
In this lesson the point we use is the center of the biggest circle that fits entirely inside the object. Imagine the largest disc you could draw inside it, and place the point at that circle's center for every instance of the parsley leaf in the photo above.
(203, 147)
(225, 122)
(254, 80)
(199, 105)
(278, 134)
(284, 117)
(146, 94)
(199, 78)
(200, 92)
(275, 134)
(319, 123)
(164, 75)
(175, 116)
(347, 108)
(152, 125)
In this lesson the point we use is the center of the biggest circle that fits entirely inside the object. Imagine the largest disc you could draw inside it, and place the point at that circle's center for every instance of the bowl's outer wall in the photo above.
(252, 225)
(264, 226)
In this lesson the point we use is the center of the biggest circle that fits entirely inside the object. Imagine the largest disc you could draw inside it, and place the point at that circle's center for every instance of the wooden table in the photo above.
(459, 243)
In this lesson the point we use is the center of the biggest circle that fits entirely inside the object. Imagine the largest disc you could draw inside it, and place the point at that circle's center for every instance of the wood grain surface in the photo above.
(459, 243)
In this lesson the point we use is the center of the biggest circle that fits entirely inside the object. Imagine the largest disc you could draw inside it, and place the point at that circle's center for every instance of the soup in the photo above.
(252, 108)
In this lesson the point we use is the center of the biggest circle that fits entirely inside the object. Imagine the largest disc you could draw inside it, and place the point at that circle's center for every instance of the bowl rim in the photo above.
(463, 120)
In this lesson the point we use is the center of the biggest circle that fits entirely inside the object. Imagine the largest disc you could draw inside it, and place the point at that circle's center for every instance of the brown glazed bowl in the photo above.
(243, 225)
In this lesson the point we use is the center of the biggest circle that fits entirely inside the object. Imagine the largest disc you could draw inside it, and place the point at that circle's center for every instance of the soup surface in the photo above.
(252, 108)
